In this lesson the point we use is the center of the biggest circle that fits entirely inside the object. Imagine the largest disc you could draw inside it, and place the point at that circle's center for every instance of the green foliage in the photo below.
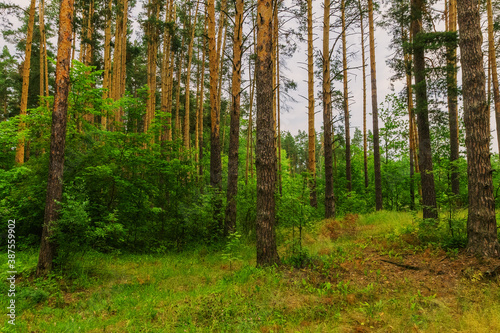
(231, 250)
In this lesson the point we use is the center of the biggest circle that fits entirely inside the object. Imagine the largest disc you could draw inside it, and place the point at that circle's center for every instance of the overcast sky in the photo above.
(295, 118)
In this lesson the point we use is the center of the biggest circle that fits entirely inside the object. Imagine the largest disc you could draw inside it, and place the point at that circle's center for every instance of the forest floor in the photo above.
(366, 274)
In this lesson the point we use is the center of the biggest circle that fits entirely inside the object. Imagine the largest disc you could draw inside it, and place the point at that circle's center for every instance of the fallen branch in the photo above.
(415, 268)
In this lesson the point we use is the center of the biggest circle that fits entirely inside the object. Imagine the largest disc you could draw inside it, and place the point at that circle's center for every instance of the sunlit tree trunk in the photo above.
(249, 159)
(267, 253)
(57, 140)
(311, 153)
(327, 116)
(26, 81)
(44, 72)
(376, 140)
(201, 109)
(232, 177)
(152, 49)
(177, 122)
(425, 154)
(481, 222)
(119, 56)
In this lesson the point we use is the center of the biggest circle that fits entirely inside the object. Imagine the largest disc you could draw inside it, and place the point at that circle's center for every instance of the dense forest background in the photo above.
(164, 127)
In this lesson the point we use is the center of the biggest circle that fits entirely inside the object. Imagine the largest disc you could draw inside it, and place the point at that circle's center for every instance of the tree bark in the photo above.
(376, 140)
(425, 154)
(267, 253)
(494, 71)
(26, 82)
(58, 138)
(327, 116)
(481, 223)
(310, 109)
(234, 137)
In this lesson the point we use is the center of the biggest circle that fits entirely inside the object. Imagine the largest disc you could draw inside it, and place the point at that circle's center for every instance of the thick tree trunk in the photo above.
(451, 57)
(267, 253)
(376, 141)
(234, 138)
(425, 154)
(311, 165)
(346, 102)
(26, 81)
(327, 116)
(481, 223)
(58, 138)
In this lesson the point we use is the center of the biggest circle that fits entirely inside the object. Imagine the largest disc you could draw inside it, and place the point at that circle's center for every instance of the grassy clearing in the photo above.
(356, 277)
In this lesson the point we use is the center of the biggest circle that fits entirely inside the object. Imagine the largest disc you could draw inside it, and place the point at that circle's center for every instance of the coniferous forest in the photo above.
(250, 166)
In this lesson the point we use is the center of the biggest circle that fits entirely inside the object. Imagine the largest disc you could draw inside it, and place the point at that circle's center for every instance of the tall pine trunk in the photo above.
(311, 165)
(494, 71)
(327, 116)
(346, 102)
(234, 137)
(451, 57)
(26, 81)
(376, 140)
(57, 139)
(363, 62)
(481, 223)
(422, 111)
(267, 253)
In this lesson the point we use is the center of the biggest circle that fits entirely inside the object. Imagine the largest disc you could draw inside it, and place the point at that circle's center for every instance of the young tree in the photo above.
(232, 168)
(327, 116)
(346, 100)
(26, 81)
(451, 57)
(310, 109)
(267, 253)
(422, 111)
(58, 138)
(493, 65)
(376, 142)
(481, 223)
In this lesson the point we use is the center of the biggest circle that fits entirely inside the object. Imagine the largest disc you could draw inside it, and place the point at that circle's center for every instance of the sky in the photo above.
(295, 118)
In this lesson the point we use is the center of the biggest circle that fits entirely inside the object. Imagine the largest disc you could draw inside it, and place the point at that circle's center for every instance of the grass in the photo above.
(350, 282)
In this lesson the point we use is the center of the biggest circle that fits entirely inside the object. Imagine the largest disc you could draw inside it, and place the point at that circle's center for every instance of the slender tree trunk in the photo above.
(152, 34)
(481, 223)
(106, 84)
(494, 71)
(26, 81)
(311, 165)
(177, 122)
(425, 154)
(44, 81)
(232, 177)
(376, 140)
(249, 160)
(57, 140)
(363, 59)
(215, 148)
(192, 30)
(267, 253)
(346, 102)
(411, 119)
(327, 116)
(451, 57)
(200, 110)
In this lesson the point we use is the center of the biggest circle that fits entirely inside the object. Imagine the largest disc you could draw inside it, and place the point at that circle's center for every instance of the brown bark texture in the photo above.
(481, 223)
(267, 253)
(57, 139)
(327, 116)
